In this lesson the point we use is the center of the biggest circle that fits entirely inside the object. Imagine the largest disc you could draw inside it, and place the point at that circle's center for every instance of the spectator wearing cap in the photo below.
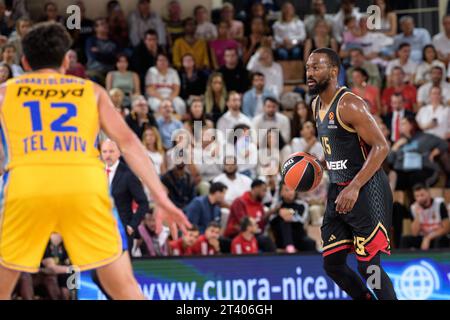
(272, 118)
(143, 19)
(250, 205)
(204, 209)
(245, 242)
(253, 100)
(416, 37)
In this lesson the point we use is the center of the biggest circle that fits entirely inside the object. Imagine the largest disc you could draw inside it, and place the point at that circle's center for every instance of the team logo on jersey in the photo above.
(331, 124)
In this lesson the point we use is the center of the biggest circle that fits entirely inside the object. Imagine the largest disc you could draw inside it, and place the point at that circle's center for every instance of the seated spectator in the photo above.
(101, 52)
(290, 221)
(173, 22)
(253, 100)
(143, 19)
(125, 80)
(75, 68)
(370, 93)
(441, 41)
(272, 118)
(308, 141)
(208, 244)
(316, 200)
(144, 55)
(394, 118)
(262, 61)
(220, 44)
(196, 114)
(321, 38)
(117, 96)
(140, 116)
(430, 226)
(272, 152)
(51, 13)
(434, 118)
(347, 9)
(80, 36)
(302, 114)
(180, 185)
(430, 59)
(162, 83)
(8, 57)
(117, 24)
(350, 35)
(414, 157)
(250, 205)
(256, 39)
(388, 18)
(155, 150)
(148, 242)
(408, 92)
(202, 210)
(289, 34)
(245, 242)
(5, 73)
(437, 80)
(233, 116)
(358, 60)
(167, 124)
(190, 44)
(236, 27)
(205, 29)
(54, 271)
(318, 12)
(215, 97)
(416, 37)
(403, 61)
(208, 158)
(236, 183)
(183, 246)
(6, 22)
(235, 75)
(244, 146)
(192, 80)
(23, 25)
(257, 10)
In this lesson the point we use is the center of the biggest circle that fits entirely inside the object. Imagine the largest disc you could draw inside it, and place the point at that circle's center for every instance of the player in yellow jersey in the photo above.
(54, 180)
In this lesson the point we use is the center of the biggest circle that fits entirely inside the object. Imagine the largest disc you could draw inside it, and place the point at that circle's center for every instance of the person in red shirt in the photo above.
(183, 246)
(245, 242)
(250, 204)
(408, 91)
(208, 243)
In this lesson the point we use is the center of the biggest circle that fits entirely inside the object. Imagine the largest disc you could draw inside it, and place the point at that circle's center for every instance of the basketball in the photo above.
(302, 172)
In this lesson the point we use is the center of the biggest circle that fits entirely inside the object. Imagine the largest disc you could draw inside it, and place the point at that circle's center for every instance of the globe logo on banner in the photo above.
(418, 281)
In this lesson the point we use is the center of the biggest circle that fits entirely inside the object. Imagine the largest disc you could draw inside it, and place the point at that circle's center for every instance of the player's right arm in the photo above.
(134, 153)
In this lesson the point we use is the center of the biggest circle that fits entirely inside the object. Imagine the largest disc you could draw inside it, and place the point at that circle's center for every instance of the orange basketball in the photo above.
(302, 172)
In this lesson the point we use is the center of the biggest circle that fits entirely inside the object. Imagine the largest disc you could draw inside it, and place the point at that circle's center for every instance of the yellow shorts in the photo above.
(71, 200)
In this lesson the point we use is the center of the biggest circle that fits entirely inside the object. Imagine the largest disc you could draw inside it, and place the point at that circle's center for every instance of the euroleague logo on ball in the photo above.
(286, 165)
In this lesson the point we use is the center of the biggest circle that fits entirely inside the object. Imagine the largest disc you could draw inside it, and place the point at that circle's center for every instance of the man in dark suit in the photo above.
(125, 188)
(393, 119)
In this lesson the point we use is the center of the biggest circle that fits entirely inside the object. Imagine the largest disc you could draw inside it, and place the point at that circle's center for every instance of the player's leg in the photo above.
(118, 281)
(8, 280)
(377, 279)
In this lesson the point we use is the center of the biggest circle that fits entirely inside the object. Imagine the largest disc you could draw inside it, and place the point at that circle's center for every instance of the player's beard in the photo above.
(319, 87)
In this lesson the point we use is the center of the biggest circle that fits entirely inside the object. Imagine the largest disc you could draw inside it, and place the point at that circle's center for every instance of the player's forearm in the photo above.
(373, 163)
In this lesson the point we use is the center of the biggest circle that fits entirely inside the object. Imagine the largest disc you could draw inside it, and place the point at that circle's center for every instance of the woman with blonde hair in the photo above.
(215, 96)
(153, 144)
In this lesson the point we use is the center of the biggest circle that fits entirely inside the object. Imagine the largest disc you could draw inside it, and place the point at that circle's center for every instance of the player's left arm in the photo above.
(2, 151)
(354, 113)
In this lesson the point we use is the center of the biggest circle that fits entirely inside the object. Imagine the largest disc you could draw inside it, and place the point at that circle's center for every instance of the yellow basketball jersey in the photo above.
(49, 119)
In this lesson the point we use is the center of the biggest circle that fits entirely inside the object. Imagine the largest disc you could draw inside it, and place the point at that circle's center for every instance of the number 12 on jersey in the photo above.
(58, 125)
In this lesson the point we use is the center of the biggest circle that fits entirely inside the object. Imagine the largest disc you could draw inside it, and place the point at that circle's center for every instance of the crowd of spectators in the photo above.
(174, 79)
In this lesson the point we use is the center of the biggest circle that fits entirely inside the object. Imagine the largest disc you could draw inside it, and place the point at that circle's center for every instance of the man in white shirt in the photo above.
(143, 19)
(205, 29)
(403, 61)
(347, 9)
(437, 80)
(308, 141)
(236, 182)
(441, 41)
(233, 116)
(416, 37)
(271, 118)
(434, 118)
(263, 62)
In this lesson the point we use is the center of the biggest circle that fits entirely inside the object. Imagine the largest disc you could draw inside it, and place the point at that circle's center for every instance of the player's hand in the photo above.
(425, 243)
(166, 211)
(347, 199)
